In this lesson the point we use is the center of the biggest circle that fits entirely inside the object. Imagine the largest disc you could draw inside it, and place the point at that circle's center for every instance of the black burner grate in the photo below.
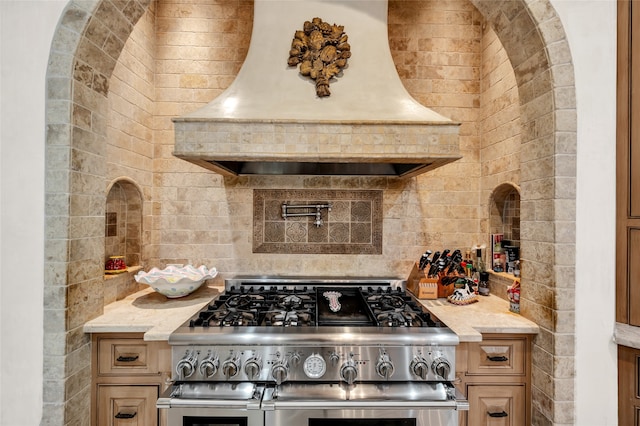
(305, 306)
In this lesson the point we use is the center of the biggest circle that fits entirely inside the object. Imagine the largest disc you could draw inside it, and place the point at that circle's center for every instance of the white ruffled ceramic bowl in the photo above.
(176, 281)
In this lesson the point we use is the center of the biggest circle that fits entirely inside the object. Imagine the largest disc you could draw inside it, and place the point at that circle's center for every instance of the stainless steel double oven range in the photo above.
(313, 352)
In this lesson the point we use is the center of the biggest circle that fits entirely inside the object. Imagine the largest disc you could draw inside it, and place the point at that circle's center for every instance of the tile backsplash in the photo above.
(351, 225)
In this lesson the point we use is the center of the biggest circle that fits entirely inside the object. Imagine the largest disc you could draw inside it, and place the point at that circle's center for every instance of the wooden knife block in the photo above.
(421, 286)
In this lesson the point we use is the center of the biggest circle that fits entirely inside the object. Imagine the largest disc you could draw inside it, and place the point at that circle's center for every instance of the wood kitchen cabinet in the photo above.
(495, 375)
(131, 405)
(628, 206)
(629, 386)
(128, 376)
(628, 166)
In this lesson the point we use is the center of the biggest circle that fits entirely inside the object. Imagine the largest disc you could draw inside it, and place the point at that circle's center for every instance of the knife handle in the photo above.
(424, 260)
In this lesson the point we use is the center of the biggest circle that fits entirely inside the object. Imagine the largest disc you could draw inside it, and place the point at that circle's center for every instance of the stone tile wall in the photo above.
(129, 150)
(500, 130)
(437, 50)
(500, 124)
(200, 49)
(204, 218)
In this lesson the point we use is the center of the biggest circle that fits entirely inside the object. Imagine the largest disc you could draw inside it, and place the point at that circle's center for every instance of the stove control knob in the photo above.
(420, 367)
(187, 365)
(349, 372)
(209, 366)
(295, 359)
(231, 367)
(384, 366)
(334, 358)
(252, 367)
(441, 367)
(279, 372)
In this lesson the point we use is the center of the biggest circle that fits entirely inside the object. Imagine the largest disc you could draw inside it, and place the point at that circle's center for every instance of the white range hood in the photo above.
(270, 120)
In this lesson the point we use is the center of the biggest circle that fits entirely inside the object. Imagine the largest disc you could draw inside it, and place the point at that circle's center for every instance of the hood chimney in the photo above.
(271, 121)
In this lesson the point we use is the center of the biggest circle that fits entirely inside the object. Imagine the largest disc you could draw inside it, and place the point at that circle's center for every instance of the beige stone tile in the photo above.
(85, 269)
(53, 390)
(543, 378)
(76, 338)
(564, 412)
(541, 315)
(564, 321)
(77, 407)
(563, 74)
(541, 411)
(55, 273)
(540, 294)
(565, 276)
(55, 250)
(85, 302)
(54, 323)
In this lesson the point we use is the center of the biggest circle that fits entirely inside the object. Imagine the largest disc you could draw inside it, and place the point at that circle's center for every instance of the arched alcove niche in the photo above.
(86, 46)
(504, 220)
(504, 212)
(122, 237)
(123, 222)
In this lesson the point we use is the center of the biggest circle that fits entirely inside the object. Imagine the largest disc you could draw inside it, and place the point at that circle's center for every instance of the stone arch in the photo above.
(535, 42)
(84, 51)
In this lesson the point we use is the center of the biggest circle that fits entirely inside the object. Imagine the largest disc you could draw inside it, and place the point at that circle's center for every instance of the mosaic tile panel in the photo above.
(353, 225)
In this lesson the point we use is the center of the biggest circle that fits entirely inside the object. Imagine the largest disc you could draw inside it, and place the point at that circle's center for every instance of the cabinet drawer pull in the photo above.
(500, 358)
(130, 358)
(126, 415)
(500, 414)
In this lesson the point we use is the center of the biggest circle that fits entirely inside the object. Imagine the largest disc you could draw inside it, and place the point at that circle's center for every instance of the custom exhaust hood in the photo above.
(271, 120)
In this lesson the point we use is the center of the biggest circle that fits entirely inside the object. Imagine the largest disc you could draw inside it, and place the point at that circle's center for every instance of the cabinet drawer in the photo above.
(497, 356)
(496, 405)
(127, 405)
(126, 356)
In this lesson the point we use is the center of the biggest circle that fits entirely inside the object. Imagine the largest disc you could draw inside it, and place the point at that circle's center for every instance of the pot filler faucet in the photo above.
(318, 211)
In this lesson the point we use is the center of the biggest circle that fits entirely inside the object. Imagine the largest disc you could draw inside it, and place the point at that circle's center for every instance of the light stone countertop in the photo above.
(490, 314)
(157, 317)
(627, 335)
(151, 313)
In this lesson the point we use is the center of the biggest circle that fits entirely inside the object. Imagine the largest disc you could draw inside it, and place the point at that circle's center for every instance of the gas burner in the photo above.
(243, 302)
(288, 318)
(386, 302)
(293, 301)
(239, 319)
(224, 318)
(394, 319)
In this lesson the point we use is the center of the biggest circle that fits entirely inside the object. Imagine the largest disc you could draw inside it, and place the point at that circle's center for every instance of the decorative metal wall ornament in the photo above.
(322, 51)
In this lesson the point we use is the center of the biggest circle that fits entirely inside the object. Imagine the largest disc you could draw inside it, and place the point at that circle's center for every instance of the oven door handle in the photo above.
(271, 401)
(168, 400)
(330, 404)
(207, 403)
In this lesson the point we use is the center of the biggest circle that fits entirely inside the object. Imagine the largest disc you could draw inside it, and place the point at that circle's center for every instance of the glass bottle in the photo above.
(483, 285)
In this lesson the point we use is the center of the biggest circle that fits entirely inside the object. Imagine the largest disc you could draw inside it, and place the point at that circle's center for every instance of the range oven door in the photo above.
(388, 404)
(208, 404)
